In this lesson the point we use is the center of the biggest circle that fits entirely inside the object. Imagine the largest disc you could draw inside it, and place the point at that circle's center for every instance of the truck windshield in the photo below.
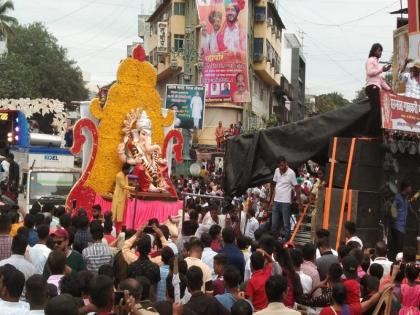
(51, 185)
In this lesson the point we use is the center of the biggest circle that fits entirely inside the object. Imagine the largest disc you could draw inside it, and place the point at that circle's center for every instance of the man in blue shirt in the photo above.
(167, 254)
(232, 292)
(236, 257)
(399, 212)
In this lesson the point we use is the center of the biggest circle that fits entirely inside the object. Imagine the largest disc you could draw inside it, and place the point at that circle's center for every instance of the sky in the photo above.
(337, 35)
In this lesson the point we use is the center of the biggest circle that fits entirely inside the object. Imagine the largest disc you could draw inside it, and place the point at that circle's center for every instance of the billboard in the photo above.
(401, 51)
(224, 50)
(400, 112)
(414, 28)
(188, 103)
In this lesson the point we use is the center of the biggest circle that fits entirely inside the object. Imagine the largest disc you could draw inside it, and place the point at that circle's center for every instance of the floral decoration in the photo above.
(134, 88)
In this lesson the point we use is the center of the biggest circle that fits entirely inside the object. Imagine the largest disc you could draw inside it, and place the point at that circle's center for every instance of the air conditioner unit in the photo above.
(270, 21)
(258, 57)
(165, 17)
(260, 17)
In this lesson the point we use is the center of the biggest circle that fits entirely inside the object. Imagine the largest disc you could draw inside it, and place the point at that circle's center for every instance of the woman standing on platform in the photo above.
(374, 84)
(119, 198)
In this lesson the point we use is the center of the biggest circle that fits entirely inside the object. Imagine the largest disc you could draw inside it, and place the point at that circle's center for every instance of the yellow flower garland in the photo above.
(135, 87)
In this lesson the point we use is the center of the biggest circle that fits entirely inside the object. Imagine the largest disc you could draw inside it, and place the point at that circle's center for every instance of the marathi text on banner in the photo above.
(400, 112)
(224, 49)
(187, 101)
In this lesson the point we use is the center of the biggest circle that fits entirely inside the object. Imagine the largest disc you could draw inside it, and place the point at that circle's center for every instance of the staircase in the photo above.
(302, 232)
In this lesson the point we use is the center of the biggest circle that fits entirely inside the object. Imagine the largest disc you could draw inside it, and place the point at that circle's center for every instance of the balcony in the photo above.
(265, 68)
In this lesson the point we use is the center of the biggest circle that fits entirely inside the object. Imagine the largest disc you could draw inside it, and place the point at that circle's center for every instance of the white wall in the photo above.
(286, 59)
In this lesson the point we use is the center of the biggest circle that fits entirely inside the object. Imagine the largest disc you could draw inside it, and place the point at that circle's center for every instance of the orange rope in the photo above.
(296, 229)
(327, 205)
(344, 198)
(349, 205)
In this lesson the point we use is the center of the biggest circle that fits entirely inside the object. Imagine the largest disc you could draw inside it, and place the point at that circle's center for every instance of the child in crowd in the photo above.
(410, 292)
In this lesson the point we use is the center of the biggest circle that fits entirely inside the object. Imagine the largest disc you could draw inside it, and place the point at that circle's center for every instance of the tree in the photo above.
(331, 101)
(6, 22)
(36, 66)
(360, 95)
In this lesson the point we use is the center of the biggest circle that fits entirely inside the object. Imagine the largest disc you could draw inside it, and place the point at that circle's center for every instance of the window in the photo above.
(259, 14)
(179, 8)
(258, 49)
(178, 42)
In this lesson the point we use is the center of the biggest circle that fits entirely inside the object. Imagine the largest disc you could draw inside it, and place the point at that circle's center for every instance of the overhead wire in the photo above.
(343, 23)
(71, 13)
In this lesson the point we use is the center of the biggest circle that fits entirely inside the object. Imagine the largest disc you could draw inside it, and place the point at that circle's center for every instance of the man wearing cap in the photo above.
(350, 265)
(231, 37)
(411, 78)
(61, 242)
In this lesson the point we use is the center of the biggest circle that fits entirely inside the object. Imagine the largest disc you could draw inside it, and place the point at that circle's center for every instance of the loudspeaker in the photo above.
(366, 212)
(367, 152)
(366, 178)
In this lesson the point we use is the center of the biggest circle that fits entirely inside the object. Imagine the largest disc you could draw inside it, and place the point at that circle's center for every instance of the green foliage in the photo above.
(272, 121)
(6, 21)
(331, 101)
(37, 66)
(360, 95)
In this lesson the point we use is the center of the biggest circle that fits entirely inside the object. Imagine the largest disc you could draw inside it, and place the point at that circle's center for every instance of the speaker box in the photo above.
(366, 212)
(367, 152)
(366, 178)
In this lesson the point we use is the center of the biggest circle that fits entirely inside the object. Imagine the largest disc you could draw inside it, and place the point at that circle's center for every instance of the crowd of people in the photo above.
(216, 258)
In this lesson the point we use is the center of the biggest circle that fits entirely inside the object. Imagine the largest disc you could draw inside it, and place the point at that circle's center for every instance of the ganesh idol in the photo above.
(138, 151)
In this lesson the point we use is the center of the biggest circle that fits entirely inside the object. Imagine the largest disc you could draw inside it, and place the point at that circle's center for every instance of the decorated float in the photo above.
(135, 132)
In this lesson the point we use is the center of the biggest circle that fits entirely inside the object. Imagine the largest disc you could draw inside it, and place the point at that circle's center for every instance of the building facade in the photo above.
(172, 46)
(294, 71)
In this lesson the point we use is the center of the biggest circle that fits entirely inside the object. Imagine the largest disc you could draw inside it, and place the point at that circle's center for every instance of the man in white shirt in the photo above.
(38, 254)
(250, 224)
(305, 280)
(411, 79)
(381, 259)
(5, 174)
(284, 181)
(12, 283)
(36, 294)
(17, 259)
(350, 233)
(208, 254)
(276, 288)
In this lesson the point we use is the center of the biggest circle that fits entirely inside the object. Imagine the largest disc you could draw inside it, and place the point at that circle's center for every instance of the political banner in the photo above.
(400, 112)
(224, 50)
(188, 103)
(400, 56)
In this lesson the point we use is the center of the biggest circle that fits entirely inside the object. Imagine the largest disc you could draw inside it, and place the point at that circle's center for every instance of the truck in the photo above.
(47, 171)
(47, 174)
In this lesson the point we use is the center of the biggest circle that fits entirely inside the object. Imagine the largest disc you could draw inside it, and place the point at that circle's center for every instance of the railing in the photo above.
(299, 222)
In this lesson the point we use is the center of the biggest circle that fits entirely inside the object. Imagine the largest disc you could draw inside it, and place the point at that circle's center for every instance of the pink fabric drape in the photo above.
(146, 209)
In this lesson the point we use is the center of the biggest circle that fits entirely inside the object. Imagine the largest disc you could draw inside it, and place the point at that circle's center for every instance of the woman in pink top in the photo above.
(374, 84)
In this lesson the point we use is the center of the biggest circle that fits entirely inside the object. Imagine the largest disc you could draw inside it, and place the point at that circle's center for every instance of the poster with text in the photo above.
(224, 49)
(400, 112)
(188, 102)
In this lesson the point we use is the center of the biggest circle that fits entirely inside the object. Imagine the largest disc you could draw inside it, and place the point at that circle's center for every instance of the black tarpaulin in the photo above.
(250, 160)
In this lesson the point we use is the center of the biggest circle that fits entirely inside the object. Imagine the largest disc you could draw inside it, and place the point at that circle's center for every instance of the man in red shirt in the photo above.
(351, 282)
(261, 271)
